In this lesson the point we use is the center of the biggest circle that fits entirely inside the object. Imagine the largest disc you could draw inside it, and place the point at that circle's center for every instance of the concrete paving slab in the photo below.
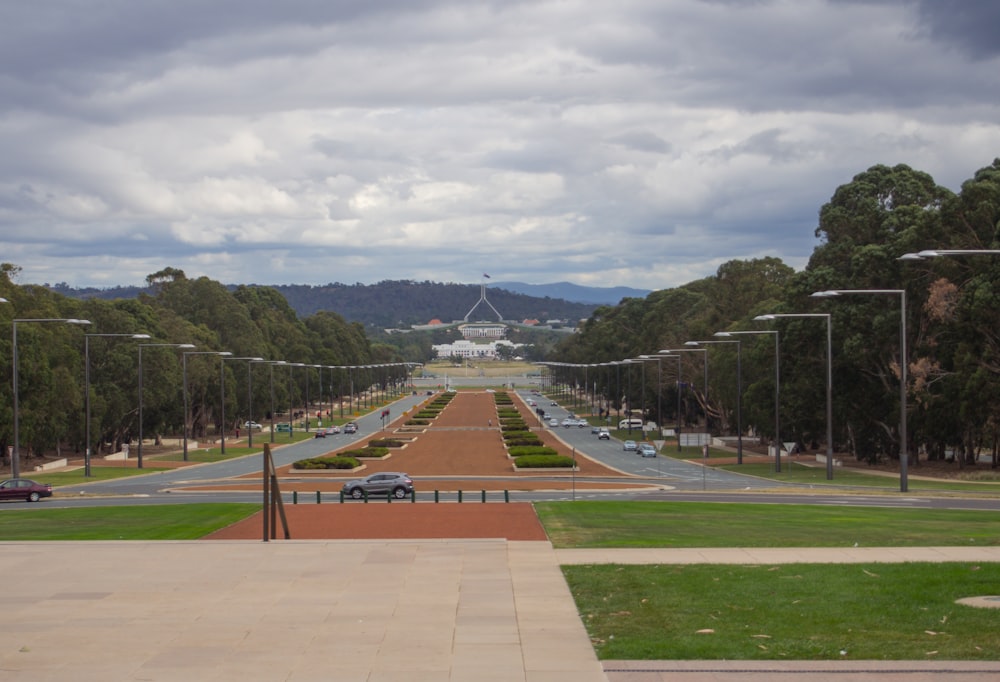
(436, 610)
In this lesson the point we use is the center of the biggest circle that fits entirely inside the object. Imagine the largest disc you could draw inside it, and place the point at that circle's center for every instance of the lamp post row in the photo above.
(224, 355)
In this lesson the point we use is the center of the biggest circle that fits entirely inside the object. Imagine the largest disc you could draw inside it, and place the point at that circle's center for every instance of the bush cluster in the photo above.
(367, 452)
(543, 462)
(530, 450)
(338, 462)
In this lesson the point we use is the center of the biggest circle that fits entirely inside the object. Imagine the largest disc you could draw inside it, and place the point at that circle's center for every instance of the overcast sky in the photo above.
(603, 142)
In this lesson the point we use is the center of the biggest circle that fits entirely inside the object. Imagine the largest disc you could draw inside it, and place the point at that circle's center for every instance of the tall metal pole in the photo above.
(777, 390)
(141, 346)
(903, 362)
(86, 374)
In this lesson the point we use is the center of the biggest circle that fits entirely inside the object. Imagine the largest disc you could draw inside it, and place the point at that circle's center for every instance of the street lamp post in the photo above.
(15, 459)
(739, 392)
(86, 374)
(777, 390)
(184, 383)
(141, 346)
(829, 380)
(704, 352)
(222, 383)
(903, 449)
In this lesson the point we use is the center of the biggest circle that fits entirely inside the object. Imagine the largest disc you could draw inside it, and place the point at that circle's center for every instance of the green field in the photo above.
(708, 524)
(153, 522)
(788, 611)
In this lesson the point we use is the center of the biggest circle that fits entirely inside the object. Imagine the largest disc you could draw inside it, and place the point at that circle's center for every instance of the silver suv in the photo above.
(399, 484)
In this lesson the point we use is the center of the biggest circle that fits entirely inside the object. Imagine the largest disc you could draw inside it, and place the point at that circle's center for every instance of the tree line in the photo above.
(951, 322)
(248, 322)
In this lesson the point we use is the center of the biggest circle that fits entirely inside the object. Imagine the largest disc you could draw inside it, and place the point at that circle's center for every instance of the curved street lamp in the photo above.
(151, 345)
(829, 380)
(739, 392)
(777, 390)
(86, 374)
(903, 361)
(184, 375)
(15, 458)
(222, 383)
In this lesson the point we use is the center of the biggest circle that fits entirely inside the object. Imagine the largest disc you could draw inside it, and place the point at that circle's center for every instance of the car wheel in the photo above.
(357, 493)
(34, 497)
(399, 493)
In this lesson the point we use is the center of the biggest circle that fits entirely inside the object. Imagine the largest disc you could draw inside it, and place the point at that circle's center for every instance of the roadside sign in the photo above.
(659, 444)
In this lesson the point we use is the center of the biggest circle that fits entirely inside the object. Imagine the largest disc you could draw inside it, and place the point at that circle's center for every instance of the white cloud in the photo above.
(637, 143)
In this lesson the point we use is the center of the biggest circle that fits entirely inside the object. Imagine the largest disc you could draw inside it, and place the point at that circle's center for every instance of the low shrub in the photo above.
(367, 452)
(385, 443)
(530, 450)
(511, 435)
(338, 462)
(526, 441)
(543, 462)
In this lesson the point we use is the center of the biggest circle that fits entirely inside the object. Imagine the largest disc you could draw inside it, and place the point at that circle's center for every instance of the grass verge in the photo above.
(791, 611)
(154, 522)
(793, 472)
(710, 524)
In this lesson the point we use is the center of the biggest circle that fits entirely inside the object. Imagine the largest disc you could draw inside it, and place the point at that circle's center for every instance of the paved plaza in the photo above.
(420, 610)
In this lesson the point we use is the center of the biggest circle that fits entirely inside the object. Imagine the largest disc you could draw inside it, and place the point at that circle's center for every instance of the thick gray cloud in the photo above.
(636, 142)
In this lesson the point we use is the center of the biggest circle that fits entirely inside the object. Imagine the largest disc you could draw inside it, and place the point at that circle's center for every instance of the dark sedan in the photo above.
(24, 489)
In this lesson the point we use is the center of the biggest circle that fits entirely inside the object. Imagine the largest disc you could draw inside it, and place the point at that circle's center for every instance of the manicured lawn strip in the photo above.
(102, 473)
(794, 472)
(710, 524)
(156, 522)
(790, 611)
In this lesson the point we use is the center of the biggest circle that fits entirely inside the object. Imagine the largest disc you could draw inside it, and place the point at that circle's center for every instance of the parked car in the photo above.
(350, 427)
(647, 450)
(603, 434)
(399, 484)
(629, 446)
(252, 425)
(24, 489)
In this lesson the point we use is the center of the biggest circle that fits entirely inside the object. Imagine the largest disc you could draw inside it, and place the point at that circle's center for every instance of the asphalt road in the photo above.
(675, 479)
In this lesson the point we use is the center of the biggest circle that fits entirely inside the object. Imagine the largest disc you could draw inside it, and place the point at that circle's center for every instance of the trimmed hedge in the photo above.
(367, 452)
(417, 422)
(530, 450)
(526, 441)
(543, 462)
(386, 443)
(338, 462)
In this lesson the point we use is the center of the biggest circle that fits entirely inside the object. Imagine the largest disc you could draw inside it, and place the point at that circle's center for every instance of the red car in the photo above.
(24, 489)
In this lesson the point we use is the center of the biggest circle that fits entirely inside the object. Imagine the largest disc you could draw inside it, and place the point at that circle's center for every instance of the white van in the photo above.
(633, 422)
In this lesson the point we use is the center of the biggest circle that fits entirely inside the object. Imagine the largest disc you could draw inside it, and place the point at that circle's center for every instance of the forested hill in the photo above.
(395, 303)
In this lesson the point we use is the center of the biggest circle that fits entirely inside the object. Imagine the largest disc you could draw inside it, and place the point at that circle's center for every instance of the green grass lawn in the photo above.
(794, 472)
(101, 473)
(707, 524)
(155, 522)
(789, 611)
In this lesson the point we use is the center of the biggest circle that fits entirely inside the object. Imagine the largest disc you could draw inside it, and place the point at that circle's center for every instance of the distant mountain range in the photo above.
(404, 302)
(573, 292)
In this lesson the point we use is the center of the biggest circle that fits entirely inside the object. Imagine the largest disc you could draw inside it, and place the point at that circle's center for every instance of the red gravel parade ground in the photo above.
(461, 450)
